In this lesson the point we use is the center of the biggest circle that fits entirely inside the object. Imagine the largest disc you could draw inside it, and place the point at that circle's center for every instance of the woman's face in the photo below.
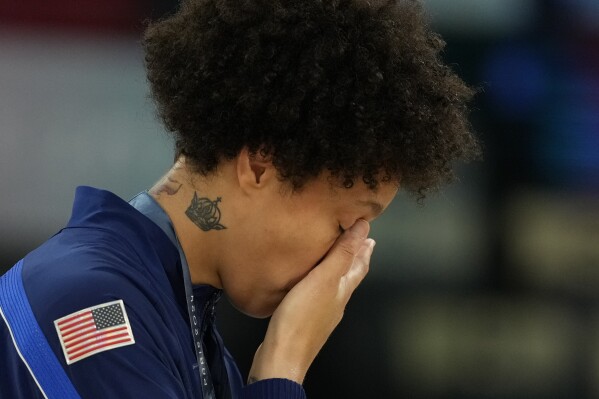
(284, 235)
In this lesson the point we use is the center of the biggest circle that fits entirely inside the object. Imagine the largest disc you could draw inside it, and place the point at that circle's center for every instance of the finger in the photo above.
(360, 266)
(343, 253)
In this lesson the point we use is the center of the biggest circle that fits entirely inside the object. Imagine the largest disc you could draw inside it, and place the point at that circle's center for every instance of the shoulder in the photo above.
(97, 277)
(78, 265)
(84, 267)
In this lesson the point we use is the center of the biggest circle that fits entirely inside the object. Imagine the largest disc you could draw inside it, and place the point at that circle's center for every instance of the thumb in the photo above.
(346, 248)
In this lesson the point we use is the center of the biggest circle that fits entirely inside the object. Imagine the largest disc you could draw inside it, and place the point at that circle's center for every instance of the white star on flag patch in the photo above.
(93, 330)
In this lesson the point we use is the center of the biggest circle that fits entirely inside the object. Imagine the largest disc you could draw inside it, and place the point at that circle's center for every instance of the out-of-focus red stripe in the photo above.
(90, 14)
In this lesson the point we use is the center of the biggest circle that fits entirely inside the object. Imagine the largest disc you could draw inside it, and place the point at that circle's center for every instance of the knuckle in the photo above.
(348, 247)
(346, 251)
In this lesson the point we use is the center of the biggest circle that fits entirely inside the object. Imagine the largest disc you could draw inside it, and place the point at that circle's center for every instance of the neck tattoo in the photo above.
(205, 213)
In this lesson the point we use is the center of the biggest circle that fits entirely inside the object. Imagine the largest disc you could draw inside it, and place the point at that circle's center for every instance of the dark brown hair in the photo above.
(316, 85)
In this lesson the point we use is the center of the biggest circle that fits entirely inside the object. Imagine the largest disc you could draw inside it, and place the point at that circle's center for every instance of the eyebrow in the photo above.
(377, 208)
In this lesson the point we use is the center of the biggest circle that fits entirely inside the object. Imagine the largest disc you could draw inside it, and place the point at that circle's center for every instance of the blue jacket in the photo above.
(112, 266)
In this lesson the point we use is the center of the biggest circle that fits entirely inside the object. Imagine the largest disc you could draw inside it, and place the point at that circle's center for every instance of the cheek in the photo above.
(291, 253)
(313, 246)
(272, 264)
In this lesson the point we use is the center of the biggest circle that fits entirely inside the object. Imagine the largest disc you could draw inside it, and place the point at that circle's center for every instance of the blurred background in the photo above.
(489, 290)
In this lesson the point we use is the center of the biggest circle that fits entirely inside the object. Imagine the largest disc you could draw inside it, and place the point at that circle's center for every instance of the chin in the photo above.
(258, 309)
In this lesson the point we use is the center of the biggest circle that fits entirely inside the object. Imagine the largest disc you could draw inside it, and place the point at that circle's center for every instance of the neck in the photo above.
(194, 206)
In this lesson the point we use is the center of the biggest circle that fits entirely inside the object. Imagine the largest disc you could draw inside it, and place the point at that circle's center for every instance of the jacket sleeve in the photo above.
(273, 388)
(144, 369)
(153, 367)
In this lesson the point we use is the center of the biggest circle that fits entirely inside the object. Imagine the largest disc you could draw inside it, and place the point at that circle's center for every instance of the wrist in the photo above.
(273, 362)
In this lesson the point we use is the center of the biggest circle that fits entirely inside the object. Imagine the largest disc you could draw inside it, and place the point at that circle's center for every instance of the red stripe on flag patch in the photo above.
(93, 330)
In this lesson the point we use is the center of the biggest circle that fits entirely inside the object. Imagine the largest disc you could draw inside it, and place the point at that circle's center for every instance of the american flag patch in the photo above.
(92, 330)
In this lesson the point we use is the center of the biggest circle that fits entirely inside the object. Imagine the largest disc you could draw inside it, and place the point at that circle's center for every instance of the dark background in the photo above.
(491, 290)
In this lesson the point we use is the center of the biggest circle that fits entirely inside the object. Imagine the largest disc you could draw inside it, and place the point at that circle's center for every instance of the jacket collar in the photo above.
(140, 223)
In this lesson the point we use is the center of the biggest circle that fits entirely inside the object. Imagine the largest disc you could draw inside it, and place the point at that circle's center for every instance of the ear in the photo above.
(254, 171)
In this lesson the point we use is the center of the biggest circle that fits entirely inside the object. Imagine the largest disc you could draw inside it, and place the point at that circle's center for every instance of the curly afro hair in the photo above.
(344, 86)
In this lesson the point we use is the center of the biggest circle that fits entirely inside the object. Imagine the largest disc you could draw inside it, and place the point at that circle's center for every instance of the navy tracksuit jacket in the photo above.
(113, 263)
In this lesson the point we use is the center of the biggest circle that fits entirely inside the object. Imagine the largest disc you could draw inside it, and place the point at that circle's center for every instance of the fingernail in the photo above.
(361, 228)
